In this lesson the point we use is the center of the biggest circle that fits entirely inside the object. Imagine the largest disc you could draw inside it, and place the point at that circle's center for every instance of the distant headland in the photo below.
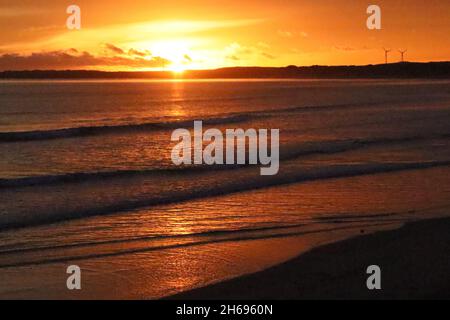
(403, 70)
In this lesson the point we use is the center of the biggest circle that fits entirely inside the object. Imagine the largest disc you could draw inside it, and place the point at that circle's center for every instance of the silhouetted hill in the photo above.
(430, 70)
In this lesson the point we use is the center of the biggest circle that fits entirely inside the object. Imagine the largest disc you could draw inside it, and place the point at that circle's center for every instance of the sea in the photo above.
(86, 178)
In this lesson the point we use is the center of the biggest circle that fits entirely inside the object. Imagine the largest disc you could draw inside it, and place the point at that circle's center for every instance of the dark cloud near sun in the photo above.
(131, 52)
(267, 55)
(348, 48)
(187, 58)
(73, 59)
(114, 49)
(233, 57)
(134, 52)
(237, 52)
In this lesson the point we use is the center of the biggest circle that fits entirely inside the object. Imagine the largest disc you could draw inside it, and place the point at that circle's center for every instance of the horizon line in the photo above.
(431, 69)
(234, 67)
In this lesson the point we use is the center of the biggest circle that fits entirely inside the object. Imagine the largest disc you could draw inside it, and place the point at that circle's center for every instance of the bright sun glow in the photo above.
(177, 68)
(177, 51)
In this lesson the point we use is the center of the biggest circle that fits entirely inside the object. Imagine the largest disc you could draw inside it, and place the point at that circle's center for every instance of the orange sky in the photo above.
(176, 35)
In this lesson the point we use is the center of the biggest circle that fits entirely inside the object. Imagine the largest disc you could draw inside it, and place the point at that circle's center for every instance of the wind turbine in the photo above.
(402, 52)
(386, 51)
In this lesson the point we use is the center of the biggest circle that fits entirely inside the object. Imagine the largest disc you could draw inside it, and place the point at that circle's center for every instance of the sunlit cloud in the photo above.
(292, 34)
(285, 34)
(263, 45)
(237, 52)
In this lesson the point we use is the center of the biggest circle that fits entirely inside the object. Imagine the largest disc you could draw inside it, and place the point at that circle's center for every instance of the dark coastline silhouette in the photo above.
(402, 70)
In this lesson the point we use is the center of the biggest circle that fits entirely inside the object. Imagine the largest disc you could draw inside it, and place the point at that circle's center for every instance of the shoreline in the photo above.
(396, 70)
(414, 262)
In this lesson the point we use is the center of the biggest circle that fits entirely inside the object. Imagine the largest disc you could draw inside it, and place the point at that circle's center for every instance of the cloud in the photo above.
(291, 34)
(134, 52)
(235, 50)
(130, 53)
(72, 59)
(344, 48)
(267, 55)
(263, 45)
(285, 34)
(187, 58)
(347, 48)
(234, 58)
(72, 51)
(114, 49)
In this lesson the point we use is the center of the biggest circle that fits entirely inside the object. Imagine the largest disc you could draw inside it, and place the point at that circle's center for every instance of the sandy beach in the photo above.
(414, 263)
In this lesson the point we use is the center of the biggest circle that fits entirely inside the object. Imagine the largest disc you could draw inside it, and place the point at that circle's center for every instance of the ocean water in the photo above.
(86, 177)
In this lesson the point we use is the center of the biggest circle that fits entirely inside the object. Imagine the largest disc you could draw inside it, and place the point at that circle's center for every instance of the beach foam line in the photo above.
(5, 250)
(80, 131)
(234, 186)
(288, 153)
(20, 136)
(363, 218)
(65, 255)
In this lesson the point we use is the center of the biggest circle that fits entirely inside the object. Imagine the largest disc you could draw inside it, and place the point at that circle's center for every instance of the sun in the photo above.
(177, 68)
(178, 51)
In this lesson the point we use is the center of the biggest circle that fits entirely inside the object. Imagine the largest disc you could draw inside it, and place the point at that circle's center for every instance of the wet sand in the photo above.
(414, 262)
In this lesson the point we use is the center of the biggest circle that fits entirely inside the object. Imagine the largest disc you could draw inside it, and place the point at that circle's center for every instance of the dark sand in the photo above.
(414, 261)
